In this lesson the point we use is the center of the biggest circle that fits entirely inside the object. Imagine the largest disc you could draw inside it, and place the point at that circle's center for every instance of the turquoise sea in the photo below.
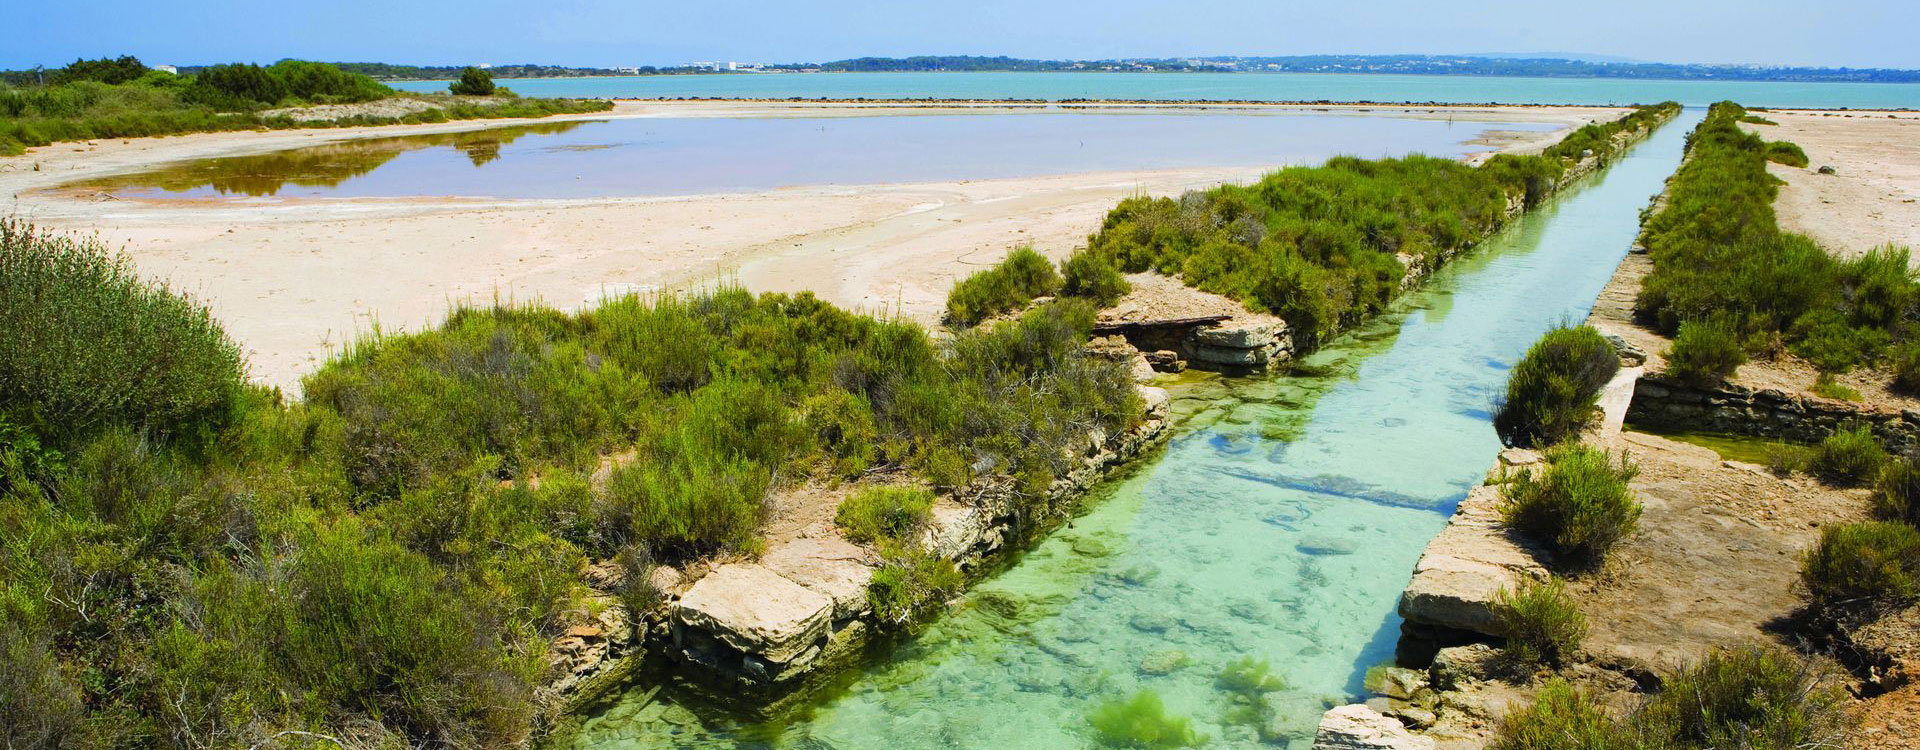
(1331, 87)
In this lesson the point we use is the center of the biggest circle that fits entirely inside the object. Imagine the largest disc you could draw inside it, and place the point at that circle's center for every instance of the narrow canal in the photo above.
(1279, 525)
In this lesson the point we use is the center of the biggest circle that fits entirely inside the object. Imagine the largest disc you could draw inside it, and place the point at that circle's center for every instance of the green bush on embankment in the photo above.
(1864, 565)
(101, 99)
(1553, 390)
(1848, 456)
(1540, 621)
(1323, 247)
(1578, 503)
(1009, 285)
(1720, 256)
(186, 560)
(1747, 697)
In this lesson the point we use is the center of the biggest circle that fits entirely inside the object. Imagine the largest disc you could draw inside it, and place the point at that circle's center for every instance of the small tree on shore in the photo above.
(473, 82)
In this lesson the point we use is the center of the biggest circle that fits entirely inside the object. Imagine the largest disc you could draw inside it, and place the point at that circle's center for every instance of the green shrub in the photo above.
(1579, 503)
(1905, 361)
(877, 513)
(1142, 722)
(1541, 622)
(909, 580)
(1705, 351)
(1851, 455)
(1896, 496)
(1552, 391)
(84, 342)
(1790, 154)
(473, 82)
(1561, 718)
(39, 707)
(110, 71)
(1825, 386)
(1249, 676)
(321, 83)
(1864, 564)
(1016, 281)
(240, 86)
(1748, 697)
(1094, 277)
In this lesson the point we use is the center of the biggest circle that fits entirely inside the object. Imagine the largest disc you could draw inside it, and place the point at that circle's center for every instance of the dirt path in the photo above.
(1873, 196)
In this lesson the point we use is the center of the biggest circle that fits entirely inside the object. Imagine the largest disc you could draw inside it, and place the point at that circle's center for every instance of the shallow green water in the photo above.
(1281, 523)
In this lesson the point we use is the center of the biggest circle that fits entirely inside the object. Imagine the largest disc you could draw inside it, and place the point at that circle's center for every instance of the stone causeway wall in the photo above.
(1664, 403)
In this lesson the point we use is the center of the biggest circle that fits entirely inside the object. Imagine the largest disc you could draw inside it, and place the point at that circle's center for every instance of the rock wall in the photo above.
(1663, 403)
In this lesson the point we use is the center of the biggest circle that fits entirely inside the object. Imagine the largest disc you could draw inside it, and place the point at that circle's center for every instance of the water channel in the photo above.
(1280, 524)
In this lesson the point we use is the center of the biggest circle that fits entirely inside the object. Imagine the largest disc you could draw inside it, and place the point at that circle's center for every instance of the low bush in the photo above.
(1896, 494)
(473, 82)
(877, 513)
(1561, 718)
(1748, 697)
(1552, 391)
(1851, 455)
(1706, 351)
(1093, 277)
(1014, 282)
(1904, 360)
(1541, 623)
(1578, 503)
(1863, 565)
(1142, 722)
(909, 581)
(85, 342)
(1790, 154)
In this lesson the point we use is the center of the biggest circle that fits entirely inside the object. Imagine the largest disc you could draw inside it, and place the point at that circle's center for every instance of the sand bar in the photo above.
(293, 280)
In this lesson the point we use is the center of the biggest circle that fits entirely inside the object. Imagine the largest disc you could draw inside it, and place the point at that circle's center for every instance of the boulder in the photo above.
(1470, 561)
(829, 565)
(1232, 335)
(1357, 727)
(756, 611)
(1458, 665)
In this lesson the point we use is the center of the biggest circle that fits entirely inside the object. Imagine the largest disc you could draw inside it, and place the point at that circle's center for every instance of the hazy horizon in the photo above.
(602, 33)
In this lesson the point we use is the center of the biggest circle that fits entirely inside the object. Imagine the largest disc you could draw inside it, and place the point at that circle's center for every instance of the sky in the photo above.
(612, 33)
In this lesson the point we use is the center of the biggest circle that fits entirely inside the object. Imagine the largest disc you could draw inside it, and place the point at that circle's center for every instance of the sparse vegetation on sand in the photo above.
(1552, 392)
(191, 561)
(124, 99)
(1724, 272)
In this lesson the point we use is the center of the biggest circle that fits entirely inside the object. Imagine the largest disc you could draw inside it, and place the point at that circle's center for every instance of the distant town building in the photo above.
(167, 69)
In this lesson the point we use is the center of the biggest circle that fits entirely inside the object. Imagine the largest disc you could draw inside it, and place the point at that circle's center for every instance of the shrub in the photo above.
(877, 513)
(1094, 277)
(124, 69)
(39, 707)
(1561, 718)
(1541, 622)
(1705, 351)
(1579, 503)
(1864, 564)
(1748, 697)
(1016, 281)
(1896, 495)
(1851, 455)
(84, 342)
(240, 86)
(1142, 722)
(323, 83)
(1552, 391)
(1790, 154)
(908, 581)
(473, 82)
(1905, 361)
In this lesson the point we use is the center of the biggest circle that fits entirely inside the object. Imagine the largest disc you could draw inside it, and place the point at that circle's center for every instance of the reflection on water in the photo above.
(1280, 524)
(267, 175)
(688, 156)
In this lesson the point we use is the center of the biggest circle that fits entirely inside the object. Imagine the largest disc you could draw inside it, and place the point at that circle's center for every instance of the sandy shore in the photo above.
(1873, 196)
(293, 280)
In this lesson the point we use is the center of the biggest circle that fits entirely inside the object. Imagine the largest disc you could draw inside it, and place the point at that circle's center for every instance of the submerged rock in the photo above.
(1152, 622)
(1327, 545)
(1163, 662)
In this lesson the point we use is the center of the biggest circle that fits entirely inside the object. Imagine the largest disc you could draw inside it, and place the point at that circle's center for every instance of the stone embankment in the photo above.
(1664, 403)
(760, 632)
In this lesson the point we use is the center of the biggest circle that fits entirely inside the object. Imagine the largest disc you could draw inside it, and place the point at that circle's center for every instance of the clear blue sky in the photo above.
(1860, 33)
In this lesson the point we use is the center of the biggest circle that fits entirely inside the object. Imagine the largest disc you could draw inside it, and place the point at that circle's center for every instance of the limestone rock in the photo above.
(1290, 716)
(1458, 665)
(1232, 335)
(1157, 400)
(1470, 561)
(1357, 727)
(830, 565)
(756, 611)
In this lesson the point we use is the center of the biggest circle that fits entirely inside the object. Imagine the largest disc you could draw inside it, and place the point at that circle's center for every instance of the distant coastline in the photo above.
(1426, 65)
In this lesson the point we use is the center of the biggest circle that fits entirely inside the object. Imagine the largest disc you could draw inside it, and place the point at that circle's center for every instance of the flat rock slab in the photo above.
(1357, 727)
(828, 565)
(757, 611)
(1466, 565)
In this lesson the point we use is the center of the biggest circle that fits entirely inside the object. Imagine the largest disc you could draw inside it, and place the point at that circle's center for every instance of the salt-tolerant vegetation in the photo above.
(1724, 272)
(1578, 504)
(1552, 392)
(1009, 285)
(1323, 247)
(1541, 622)
(1747, 697)
(188, 560)
(123, 99)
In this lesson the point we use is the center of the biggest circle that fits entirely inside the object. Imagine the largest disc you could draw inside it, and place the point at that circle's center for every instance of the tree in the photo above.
(473, 82)
(104, 70)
